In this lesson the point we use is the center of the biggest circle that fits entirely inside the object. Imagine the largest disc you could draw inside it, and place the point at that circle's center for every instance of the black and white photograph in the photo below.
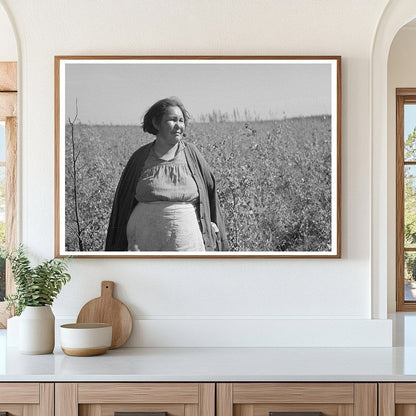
(197, 156)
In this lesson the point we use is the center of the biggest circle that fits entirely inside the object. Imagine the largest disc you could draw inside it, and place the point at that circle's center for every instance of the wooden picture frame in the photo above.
(268, 126)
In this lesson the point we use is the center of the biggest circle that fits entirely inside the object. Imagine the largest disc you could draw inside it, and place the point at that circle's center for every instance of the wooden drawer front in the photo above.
(138, 393)
(19, 393)
(104, 399)
(27, 399)
(295, 408)
(110, 409)
(293, 393)
(397, 399)
(331, 399)
(405, 393)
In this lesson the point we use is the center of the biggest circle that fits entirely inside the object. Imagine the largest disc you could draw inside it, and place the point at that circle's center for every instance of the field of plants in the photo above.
(273, 180)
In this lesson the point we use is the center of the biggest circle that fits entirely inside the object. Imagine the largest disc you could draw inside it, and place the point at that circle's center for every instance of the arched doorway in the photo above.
(395, 16)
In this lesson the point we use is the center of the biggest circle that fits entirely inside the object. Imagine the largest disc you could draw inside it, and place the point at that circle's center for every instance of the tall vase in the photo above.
(37, 330)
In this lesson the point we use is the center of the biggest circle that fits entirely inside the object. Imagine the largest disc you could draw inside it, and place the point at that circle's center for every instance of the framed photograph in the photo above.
(186, 156)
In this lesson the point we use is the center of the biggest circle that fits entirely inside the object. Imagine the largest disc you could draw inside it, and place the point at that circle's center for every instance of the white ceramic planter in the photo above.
(37, 330)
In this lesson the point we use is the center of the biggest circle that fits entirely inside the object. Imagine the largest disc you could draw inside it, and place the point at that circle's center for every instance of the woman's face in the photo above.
(172, 126)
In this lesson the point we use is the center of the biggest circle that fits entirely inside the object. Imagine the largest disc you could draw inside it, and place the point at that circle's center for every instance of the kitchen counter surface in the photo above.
(214, 364)
(221, 364)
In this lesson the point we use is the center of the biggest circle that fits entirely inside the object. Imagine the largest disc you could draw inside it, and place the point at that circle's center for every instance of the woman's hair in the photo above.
(158, 109)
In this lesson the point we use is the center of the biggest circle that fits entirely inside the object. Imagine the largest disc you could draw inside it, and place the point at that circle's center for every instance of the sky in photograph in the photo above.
(119, 93)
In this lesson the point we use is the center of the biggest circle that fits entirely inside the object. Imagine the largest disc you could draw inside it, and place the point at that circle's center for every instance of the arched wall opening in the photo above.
(396, 15)
(401, 73)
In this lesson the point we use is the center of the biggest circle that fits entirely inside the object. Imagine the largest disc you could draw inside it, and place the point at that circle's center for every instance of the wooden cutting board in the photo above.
(109, 310)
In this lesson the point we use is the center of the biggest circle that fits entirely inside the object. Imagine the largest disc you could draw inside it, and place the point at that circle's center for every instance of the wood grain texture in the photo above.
(30, 410)
(66, 399)
(245, 410)
(8, 76)
(405, 410)
(338, 156)
(11, 196)
(263, 409)
(57, 158)
(405, 91)
(8, 110)
(207, 399)
(365, 399)
(8, 105)
(27, 393)
(11, 182)
(386, 399)
(110, 409)
(111, 311)
(346, 410)
(138, 393)
(404, 96)
(90, 410)
(190, 410)
(405, 393)
(293, 393)
(47, 399)
(400, 304)
(11, 207)
(58, 58)
(14, 409)
(224, 399)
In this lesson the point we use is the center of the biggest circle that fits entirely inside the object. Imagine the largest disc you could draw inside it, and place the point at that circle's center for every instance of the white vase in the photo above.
(37, 330)
(12, 334)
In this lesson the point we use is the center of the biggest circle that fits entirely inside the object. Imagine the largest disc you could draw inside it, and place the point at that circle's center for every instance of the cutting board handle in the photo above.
(107, 289)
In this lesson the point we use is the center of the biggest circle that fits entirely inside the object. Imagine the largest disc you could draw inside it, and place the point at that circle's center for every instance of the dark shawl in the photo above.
(209, 208)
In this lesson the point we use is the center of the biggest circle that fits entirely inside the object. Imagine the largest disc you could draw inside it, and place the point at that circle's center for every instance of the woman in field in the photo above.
(166, 198)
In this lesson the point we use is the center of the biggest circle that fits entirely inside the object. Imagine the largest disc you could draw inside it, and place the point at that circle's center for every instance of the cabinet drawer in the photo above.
(309, 399)
(138, 393)
(19, 393)
(149, 399)
(397, 399)
(21, 399)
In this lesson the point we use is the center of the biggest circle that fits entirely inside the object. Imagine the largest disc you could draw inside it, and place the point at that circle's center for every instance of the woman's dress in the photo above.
(166, 217)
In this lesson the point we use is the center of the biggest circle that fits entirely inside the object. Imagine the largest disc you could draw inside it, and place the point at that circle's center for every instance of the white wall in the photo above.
(401, 74)
(8, 46)
(215, 301)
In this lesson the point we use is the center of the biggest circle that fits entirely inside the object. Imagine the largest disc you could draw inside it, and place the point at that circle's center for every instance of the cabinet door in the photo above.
(26, 399)
(142, 399)
(397, 399)
(297, 399)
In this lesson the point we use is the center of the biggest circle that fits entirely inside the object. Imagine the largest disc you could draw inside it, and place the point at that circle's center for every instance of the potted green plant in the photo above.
(36, 289)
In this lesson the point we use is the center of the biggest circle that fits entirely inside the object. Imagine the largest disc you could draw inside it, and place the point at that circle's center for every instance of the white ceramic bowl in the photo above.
(85, 339)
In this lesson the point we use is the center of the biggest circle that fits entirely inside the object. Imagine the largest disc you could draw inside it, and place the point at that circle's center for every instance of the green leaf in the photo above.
(35, 286)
